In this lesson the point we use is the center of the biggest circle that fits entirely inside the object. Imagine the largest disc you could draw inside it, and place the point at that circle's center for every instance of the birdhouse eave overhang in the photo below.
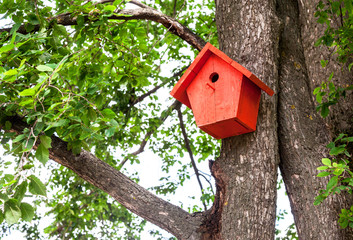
(179, 90)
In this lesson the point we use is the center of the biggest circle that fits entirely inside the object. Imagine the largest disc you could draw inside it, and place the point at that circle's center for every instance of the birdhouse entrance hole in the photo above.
(214, 77)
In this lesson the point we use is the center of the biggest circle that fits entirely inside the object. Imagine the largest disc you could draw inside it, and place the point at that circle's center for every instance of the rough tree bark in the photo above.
(249, 32)
(274, 40)
(303, 133)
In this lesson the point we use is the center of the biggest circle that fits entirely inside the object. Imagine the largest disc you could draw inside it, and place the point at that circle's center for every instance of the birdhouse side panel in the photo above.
(179, 90)
(201, 96)
(227, 90)
(249, 103)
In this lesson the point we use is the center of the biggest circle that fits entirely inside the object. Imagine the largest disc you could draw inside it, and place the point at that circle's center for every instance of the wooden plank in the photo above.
(201, 96)
(249, 103)
(252, 77)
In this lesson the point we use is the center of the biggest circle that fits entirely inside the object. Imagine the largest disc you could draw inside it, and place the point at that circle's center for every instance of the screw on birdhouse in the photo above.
(210, 85)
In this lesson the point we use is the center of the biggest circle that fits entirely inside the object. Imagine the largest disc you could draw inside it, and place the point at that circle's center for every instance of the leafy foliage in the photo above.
(339, 37)
(337, 15)
(85, 84)
(339, 169)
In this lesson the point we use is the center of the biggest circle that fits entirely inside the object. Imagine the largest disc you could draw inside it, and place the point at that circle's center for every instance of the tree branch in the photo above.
(187, 145)
(145, 13)
(128, 193)
(143, 96)
(175, 105)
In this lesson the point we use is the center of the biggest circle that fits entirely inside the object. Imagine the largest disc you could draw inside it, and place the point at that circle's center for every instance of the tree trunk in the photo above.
(303, 134)
(284, 57)
(248, 33)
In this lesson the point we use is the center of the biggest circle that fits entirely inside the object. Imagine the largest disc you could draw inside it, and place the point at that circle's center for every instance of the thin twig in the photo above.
(209, 182)
(175, 105)
(158, 40)
(143, 96)
(92, 104)
(174, 8)
(188, 148)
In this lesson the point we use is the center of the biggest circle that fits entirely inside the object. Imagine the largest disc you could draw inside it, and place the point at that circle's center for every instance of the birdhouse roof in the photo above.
(179, 90)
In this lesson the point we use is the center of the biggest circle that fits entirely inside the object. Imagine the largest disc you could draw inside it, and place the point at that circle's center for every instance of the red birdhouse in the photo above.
(223, 95)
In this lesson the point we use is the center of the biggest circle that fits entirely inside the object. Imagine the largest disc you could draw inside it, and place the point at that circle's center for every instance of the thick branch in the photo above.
(134, 197)
(146, 13)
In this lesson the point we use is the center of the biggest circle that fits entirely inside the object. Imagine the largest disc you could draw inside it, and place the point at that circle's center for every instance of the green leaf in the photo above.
(27, 166)
(108, 113)
(8, 125)
(332, 183)
(319, 200)
(344, 223)
(319, 96)
(326, 161)
(330, 145)
(323, 174)
(316, 90)
(27, 92)
(11, 72)
(44, 68)
(7, 48)
(45, 140)
(92, 116)
(347, 139)
(9, 177)
(60, 123)
(20, 191)
(323, 63)
(109, 8)
(350, 66)
(19, 138)
(110, 132)
(2, 216)
(27, 212)
(337, 150)
(324, 111)
(36, 187)
(340, 137)
(42, 154)
(4, 196)
(12, 211)
(322, 168)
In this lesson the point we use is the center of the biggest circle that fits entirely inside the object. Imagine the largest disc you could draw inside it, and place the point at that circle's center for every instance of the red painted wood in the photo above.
(249, 104)
(179, 90)
(227, 91)
(223, 95)
(202, 96)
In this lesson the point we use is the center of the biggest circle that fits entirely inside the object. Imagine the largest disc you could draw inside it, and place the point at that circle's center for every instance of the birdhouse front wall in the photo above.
(214, 92)
(224, 101)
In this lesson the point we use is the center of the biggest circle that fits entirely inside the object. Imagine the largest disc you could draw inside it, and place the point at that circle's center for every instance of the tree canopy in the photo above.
(91, 73)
